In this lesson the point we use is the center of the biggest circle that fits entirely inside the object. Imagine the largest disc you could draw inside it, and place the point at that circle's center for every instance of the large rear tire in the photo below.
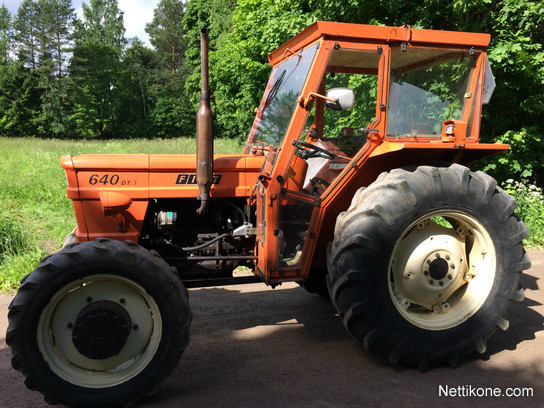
(425, 264)
(99, 324)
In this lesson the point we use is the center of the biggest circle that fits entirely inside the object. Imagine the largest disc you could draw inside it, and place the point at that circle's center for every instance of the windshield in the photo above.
(280, 97)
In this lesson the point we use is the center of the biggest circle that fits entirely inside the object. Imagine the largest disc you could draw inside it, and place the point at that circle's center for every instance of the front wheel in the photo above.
(99, 324)
(426, 263)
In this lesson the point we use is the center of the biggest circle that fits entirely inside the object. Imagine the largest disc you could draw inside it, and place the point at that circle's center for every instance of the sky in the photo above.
(137, 13)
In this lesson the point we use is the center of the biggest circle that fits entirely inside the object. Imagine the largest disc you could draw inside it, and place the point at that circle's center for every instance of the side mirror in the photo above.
(344, 98)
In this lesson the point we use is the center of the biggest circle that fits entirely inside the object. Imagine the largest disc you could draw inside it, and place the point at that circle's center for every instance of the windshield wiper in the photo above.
(274, 89)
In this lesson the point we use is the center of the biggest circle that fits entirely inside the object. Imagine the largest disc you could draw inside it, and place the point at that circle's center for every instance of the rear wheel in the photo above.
(98, 324)
(426, 263)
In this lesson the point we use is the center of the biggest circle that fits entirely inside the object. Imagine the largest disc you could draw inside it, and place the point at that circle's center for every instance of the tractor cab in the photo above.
(342, 94)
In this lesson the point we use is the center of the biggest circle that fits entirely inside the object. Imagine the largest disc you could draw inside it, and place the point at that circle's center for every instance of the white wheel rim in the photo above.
(54, 332)
(440, 276)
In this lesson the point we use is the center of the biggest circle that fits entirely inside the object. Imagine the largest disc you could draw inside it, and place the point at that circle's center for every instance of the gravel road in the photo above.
(252, 346)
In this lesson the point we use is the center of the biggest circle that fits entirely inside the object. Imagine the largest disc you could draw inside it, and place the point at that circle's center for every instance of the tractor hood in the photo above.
(141, 176)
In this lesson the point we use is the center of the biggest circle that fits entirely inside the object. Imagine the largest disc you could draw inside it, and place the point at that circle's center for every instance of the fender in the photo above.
(451, 152)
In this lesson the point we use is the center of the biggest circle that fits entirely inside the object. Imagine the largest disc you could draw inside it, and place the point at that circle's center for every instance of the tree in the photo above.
(216, 15)
(102, 24)
(59, 19)
(95, 66)
(55, 24)
(172, 115)
(6, 34)
(26, 33)
(166, 33)
(136, 101)
(19, 99)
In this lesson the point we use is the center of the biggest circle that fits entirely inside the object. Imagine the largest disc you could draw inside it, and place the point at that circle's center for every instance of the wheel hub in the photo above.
(441, 268)
(438, 269)
(101, 330)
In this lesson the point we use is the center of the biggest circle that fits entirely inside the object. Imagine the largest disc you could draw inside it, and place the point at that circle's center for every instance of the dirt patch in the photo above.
(254, 346)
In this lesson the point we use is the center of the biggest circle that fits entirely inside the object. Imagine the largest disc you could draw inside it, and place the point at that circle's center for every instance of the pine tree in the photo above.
(95, 66)
(19, 99)
(135, 100)
(59, 20)
(44, 28)
(172, 115)
(26, 33)
(6, 34)
(166, 33)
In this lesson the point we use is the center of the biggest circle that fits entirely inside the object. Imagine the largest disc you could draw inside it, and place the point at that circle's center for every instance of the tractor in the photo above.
(354, 182)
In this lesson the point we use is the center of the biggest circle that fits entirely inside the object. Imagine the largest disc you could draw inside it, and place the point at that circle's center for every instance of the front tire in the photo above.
(99, 324)
(426, 263)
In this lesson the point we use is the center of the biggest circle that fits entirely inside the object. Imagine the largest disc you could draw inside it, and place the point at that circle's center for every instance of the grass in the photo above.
(13, 240)
(35, 214)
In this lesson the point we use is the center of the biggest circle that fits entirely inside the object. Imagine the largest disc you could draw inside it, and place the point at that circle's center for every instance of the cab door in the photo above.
(297, 175)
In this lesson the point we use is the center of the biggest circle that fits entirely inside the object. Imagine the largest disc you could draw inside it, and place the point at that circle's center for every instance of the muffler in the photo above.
(204, 130)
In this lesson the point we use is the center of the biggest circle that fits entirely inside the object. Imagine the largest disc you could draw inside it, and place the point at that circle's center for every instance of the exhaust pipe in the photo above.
(204, 130)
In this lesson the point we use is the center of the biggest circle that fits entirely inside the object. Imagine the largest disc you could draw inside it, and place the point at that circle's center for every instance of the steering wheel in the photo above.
(308, 150)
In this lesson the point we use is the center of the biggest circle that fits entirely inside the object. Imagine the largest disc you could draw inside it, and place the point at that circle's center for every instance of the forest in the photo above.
(69, 77)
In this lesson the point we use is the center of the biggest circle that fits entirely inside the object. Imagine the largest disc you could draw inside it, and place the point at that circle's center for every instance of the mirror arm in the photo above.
(305, 102)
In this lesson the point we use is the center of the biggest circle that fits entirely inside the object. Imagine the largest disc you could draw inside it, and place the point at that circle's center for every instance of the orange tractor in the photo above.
(353, 182)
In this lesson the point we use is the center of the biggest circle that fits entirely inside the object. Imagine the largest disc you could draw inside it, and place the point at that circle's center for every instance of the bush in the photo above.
(530, 199)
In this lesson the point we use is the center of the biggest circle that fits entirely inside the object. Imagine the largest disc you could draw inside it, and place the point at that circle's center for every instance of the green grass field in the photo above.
(35, 214)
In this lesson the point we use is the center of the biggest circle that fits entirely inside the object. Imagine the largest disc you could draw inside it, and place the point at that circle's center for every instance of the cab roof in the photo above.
(378, 35)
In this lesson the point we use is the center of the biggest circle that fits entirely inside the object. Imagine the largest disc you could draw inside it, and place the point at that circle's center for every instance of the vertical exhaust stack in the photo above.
(204, 131)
